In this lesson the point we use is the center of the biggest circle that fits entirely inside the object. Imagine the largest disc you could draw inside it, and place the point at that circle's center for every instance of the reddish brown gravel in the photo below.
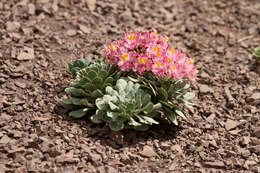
(39, 37)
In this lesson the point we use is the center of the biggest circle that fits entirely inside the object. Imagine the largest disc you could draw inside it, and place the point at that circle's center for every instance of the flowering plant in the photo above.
(147, 66)
(148, 51)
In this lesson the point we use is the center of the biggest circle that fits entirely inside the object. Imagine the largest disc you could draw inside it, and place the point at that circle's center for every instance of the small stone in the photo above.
(148, 152)
(31, 9)
(43, 1)
(71, 32)
(27, 54)
(84, 29)
(91, 4)
(205, 89)
(255, 149)
(12, 26)
(231, 124)
(254, 98)
(244, 140)
(216, 164)
(5, 140)
(256, 133)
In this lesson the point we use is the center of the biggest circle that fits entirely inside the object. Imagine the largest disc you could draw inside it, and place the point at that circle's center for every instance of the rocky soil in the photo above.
(39, 37)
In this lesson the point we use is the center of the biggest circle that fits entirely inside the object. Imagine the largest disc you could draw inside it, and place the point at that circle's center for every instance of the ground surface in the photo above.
(38, 38)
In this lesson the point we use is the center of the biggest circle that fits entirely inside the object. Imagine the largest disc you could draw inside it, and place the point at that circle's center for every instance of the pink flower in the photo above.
(148, 51)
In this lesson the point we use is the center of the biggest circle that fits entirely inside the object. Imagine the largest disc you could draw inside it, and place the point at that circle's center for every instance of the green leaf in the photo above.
(86, 103)
(96, 94)
(92, 74)
(116, 125)
(163, 94)
(109, 80)
(77, 65)
(97, 81)
(89, 87)
(75, 101)
(189, 96)
(181, 114)
(170, 115)
(75, 92)
(69, 106)
(157, 106)
(98, 117)
(103, 74)
(78, 113)
(142, 127)
(67, 101)
(148, 108)
(146, 99)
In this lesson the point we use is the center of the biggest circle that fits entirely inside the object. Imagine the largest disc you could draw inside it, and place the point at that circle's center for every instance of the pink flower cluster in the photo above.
(149, 51)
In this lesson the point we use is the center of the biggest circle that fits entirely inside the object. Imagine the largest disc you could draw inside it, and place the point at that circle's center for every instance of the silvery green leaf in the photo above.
(78, 113)
(146, 120)
(116, 125)
(101, 104)
(85, 102)
(112, 106)
(257, 51)
(181, 114)
(113, 115)
(188, 104)
(132, 122)
(111, 91)
(121, 84)
(189, 96)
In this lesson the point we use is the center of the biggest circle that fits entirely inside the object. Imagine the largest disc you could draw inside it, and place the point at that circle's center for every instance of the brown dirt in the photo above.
(39, 37)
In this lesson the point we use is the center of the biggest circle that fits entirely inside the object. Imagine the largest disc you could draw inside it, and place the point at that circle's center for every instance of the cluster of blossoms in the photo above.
(149, 51)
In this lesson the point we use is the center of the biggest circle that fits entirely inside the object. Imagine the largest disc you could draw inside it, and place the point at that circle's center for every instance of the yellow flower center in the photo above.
(172, 50)
(158, 64)
(166, 39)
(173, 67)
(131, 37)
(156, 49)
(154, 33)
(124, 57)
(169, 60)
(107, 60)
(191, 61)
(112, 47)
(142, 61)
(158, 54)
